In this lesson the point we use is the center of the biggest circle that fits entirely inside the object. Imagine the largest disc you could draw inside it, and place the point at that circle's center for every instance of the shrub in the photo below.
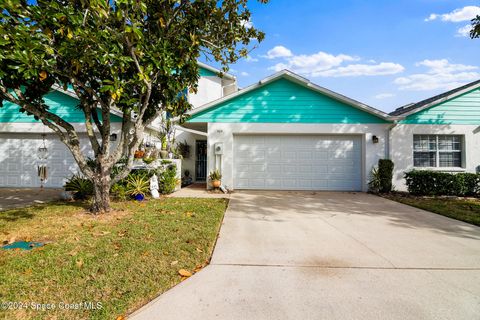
(168, 179)
(137, 184)
(434, 183)
(119, 191)
(375, 182)
(80, 187)
(385, 172)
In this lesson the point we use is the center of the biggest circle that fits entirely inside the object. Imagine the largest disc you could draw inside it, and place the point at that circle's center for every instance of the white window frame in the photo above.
(438, 151)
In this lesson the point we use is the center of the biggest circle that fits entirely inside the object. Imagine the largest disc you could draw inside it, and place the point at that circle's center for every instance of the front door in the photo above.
(201, 160)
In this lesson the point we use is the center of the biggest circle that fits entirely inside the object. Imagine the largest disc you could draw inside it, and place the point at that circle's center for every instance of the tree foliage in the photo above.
(131, 56)
(475, 32)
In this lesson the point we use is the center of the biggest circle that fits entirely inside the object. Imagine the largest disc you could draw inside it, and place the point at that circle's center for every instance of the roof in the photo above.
(299, 80)
(215, 70)
(419, 106)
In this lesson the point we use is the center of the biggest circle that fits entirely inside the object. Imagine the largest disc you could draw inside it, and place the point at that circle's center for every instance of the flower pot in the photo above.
(139, 197)
(216, 183)
(139, 154)
(164, 154)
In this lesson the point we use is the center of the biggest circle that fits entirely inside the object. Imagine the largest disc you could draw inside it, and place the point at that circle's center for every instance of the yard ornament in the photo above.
(154, 187)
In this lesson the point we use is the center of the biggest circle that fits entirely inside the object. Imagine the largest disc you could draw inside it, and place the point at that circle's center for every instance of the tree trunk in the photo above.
(101, 197)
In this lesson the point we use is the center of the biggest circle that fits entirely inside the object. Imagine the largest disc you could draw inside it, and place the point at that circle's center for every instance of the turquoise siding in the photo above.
(61, 104)
(284, 101)
(207, 73)
(464, 109)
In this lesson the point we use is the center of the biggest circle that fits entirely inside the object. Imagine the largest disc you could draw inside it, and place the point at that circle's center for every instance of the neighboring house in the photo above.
(21, 135)
(440, 133)
(286, 133)
(282, 133)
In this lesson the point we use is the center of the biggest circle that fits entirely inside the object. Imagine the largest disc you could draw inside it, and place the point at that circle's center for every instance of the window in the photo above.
(437, 151)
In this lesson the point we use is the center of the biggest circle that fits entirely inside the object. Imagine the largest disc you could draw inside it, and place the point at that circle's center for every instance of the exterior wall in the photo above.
(209, 89)
(224, 133)
(191, 138)
(401, 148)
(461, 110)
(283, 101)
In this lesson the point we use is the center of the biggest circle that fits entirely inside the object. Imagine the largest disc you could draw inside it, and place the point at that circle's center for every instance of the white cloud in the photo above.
(244, 74)
(440, 74)
(386, 95)
(251, 59)
(464, 31)
(322, 64)
(278, 52)
(458, 15)
(355, 70)
(247, 23)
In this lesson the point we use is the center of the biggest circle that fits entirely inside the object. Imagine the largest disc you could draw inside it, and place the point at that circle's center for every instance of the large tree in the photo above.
(133, 56)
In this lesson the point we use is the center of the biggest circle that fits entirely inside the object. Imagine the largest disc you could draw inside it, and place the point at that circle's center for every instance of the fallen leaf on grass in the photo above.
(79, 263)
(198, 268)
(173, 263)
(199, 250)
(120, 318)
(184, 273)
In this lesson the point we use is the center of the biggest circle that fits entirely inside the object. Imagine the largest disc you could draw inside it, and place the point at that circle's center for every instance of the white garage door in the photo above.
(298, 162)
(19, 160)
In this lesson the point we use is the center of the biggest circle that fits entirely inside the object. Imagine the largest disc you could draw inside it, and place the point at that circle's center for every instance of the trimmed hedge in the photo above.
(435, 183)
(385, 170)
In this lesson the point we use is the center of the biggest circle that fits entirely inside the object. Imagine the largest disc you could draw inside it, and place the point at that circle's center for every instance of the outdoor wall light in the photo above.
(375, 139)
(113, 137)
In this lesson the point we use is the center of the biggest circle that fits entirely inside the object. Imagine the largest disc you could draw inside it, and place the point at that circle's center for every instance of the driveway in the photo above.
(325, 255)
(11, 198)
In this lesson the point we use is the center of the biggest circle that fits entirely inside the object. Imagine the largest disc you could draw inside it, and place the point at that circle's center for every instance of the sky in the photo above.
(384, 53)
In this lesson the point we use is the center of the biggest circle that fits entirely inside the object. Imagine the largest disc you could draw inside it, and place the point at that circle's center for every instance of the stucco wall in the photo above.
(401, 151)
(190, 138)
(224, 132)
(209, 89)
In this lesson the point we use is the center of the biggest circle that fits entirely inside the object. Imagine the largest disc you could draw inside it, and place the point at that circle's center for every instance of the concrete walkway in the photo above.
(292, 255)
(16, 198)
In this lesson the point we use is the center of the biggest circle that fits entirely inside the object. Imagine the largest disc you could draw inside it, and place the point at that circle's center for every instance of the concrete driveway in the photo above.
(304, 255)
(11, 198)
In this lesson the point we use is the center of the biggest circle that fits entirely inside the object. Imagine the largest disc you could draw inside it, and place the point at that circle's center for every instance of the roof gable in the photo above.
(461, 109)
(287, 98)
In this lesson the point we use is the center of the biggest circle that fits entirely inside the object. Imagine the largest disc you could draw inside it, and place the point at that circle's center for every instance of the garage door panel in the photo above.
(19, 160)
(295, 162)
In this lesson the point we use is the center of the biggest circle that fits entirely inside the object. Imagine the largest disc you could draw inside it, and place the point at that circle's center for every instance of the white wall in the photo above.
(401, 151)
(209, 89)
(191, 138)
(224, 132)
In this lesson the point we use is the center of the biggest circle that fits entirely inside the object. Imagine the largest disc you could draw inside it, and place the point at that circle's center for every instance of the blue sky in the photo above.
(383, 53)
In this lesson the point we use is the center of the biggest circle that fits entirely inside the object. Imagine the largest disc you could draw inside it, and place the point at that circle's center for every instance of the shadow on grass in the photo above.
(30, 212)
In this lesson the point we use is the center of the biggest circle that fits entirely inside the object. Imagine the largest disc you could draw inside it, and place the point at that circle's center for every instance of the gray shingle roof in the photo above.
(418, 105)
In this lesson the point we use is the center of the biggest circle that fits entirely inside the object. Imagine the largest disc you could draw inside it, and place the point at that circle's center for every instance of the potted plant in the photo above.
(183, 149)
(164, 151)
(215, 178)
(137, 186)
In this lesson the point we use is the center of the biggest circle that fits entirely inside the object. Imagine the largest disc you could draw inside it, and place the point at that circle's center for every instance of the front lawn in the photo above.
(467, 210)
(121, 260)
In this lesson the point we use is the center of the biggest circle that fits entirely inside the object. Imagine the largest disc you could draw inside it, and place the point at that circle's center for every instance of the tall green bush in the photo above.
(435, 183)
(385, 171)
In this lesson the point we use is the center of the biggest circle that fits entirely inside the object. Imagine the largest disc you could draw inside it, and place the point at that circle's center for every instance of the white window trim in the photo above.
(438, 151)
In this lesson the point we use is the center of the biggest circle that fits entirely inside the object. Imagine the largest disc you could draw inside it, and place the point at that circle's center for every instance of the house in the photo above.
(286, 133)
(21, 135)
(282, 133)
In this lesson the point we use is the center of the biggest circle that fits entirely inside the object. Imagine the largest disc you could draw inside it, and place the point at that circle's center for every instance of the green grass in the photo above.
(122, 260)
(467, 210)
